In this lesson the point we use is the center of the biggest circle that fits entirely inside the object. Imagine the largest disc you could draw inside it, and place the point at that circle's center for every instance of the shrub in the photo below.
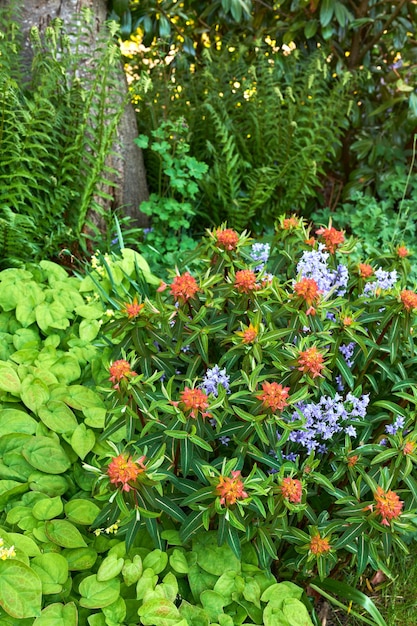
(276, 409)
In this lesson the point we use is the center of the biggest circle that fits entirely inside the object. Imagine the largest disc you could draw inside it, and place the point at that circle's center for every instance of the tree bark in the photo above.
(131, 183)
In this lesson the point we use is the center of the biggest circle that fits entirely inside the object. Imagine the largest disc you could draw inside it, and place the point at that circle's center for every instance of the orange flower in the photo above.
(388, 505)
(409, 299)
(290, 222)
(227, 239)
(249, 334)
(274, 396)
(365, 270)
(311, 361)
(291, 489)
(184, 287)
(352, 460)
(402, 252)
(408, 447)
(308, 289)
(347, 321)
(310, 242)
(120, 370)
(195, 400)
(230, 489)
(122, 469)
(332, 237)
(319, 545)
(245, 281)
(132, 309)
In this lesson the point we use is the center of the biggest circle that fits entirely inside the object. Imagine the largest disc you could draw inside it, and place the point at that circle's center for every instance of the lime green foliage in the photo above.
(49, 419)
(266, 125)
(173, 177)
(203, 585)
(56, 131)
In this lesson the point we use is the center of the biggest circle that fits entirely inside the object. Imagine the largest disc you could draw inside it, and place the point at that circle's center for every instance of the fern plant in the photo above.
(56, 133)
(267, 124)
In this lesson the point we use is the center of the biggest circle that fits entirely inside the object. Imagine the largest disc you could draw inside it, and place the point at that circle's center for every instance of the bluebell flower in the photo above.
(291, 456)
(392, 429)
(224, 440)
(214, 377)
(351, 431)
(260, 252)
(313, 264)
(347, 350)
(326, 418)
(384, 280)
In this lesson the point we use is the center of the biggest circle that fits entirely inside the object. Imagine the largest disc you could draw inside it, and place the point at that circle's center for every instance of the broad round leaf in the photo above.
(34, 393)
(20, 590)
(58, 417)
(80, 511)
(46, 455)
(58, 615)
(15, 421)
(9, 380)
(82, 441)
(52, 569)
(64, 534)
(95, 594)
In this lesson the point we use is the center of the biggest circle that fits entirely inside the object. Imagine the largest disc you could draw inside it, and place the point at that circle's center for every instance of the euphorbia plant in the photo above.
(274, 384)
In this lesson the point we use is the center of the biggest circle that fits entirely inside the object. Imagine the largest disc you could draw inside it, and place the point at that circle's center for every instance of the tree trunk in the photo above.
(131, 187)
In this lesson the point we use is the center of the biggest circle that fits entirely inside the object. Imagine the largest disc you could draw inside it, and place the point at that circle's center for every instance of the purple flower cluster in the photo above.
(260, 253)
(214, 377)
(313, 264)
(392, 429)
(325, 419)
(347, 350)
(384, 280)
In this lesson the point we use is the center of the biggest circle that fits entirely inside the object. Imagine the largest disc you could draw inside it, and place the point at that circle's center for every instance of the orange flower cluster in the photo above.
(319, 545)
(274, 396)
(403, 252)
(291, 489)
(195, 400)
(310, 361)
(409, 447)
(409, 299)
(332, 237)
(352, 460)
(388, 505)
(227, 239)
(365, 270)
(184, 287)
(248, 335)
(230, 489)
(122, 469)
(132, 309)
(308, 289)
(289, 223)
(120, 370)
(245, 281)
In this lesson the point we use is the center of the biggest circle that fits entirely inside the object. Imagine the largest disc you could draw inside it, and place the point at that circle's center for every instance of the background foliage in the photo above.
(57, 129)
